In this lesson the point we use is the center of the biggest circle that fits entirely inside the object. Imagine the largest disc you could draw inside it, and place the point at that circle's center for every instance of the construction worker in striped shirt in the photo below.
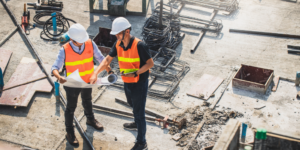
(134, 61)
(78, 54)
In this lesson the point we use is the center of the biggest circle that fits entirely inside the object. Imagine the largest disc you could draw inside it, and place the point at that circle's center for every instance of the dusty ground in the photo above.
(41, 124)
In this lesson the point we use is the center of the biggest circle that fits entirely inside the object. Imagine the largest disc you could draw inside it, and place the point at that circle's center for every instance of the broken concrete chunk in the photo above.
(185, 132)
(177, 136)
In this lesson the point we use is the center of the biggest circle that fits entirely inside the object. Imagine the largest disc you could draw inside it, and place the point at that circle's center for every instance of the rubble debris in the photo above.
(173, 130)
(211, 130)
(182, 142)
(260, 107)
(206, 104)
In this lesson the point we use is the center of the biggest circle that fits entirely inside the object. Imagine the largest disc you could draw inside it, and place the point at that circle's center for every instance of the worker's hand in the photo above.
(127, 75)
(111, 72)
(93, 78)
(62, 80)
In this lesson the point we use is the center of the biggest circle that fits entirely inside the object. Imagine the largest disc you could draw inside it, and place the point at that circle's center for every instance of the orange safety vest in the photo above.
(83, 62)
(129, 60)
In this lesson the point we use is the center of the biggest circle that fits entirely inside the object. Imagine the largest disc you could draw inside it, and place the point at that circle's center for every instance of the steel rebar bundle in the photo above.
(168, 36)
(213, 26)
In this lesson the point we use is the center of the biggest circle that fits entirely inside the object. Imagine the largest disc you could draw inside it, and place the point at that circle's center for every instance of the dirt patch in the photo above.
(215, 120)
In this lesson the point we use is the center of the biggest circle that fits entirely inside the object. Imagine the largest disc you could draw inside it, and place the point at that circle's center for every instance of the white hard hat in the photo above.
(119, 24)
(78, 33)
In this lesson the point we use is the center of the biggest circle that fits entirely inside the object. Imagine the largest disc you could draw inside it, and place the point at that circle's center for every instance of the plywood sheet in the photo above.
(4, 58)
(20, 96)
(206, 85)
(276, 81)
(28, 70)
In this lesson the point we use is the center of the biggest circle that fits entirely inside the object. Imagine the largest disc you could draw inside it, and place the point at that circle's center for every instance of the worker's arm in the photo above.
(145, 56)
(98, 56)
(104, 65)
(149, 64)
(58, 76)
(58, 64)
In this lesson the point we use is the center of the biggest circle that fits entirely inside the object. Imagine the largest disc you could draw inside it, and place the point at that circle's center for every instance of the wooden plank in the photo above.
(206, 85)
(27, 71)
(20, 96)
(229, 139)
(4, 59)
(275, 80)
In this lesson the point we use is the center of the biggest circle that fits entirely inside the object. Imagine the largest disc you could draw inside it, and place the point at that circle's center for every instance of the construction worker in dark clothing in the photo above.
(134, 61)
(78, 54)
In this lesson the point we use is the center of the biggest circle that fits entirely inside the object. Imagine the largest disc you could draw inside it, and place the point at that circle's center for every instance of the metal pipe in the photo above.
(265, 33)
(149, 112)
(8, 36)
(121, 112)
(292, 46)
(202, 33)
(294, 52)
(160, 15)
(44, 69)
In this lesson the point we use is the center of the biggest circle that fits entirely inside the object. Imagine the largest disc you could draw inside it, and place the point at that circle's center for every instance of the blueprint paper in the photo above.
(74, 80)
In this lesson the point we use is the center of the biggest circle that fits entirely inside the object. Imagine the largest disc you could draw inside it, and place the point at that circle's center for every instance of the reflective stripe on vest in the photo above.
(82, 62)
(129, 60)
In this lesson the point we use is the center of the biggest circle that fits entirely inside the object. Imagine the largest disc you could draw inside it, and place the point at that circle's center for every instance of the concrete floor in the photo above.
(41, 124)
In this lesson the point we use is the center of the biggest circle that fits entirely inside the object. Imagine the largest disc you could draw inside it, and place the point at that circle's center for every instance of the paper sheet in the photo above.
(74, 80)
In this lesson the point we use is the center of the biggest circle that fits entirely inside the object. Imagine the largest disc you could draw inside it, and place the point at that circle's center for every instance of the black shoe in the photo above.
(130, 126)
(72, 139)
(138, 146)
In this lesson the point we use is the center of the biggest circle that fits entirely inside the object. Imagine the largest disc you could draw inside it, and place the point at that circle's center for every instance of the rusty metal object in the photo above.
(253, 78)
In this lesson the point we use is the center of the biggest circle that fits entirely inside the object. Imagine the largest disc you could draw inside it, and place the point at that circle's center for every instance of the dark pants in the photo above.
(72, 98)
(136, 94)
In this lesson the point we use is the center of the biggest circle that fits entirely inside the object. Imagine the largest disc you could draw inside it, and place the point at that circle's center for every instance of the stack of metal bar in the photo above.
(222, 5)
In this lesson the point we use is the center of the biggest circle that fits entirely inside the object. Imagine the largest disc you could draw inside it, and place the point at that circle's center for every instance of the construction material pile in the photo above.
(215, 120)
(162, 30)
